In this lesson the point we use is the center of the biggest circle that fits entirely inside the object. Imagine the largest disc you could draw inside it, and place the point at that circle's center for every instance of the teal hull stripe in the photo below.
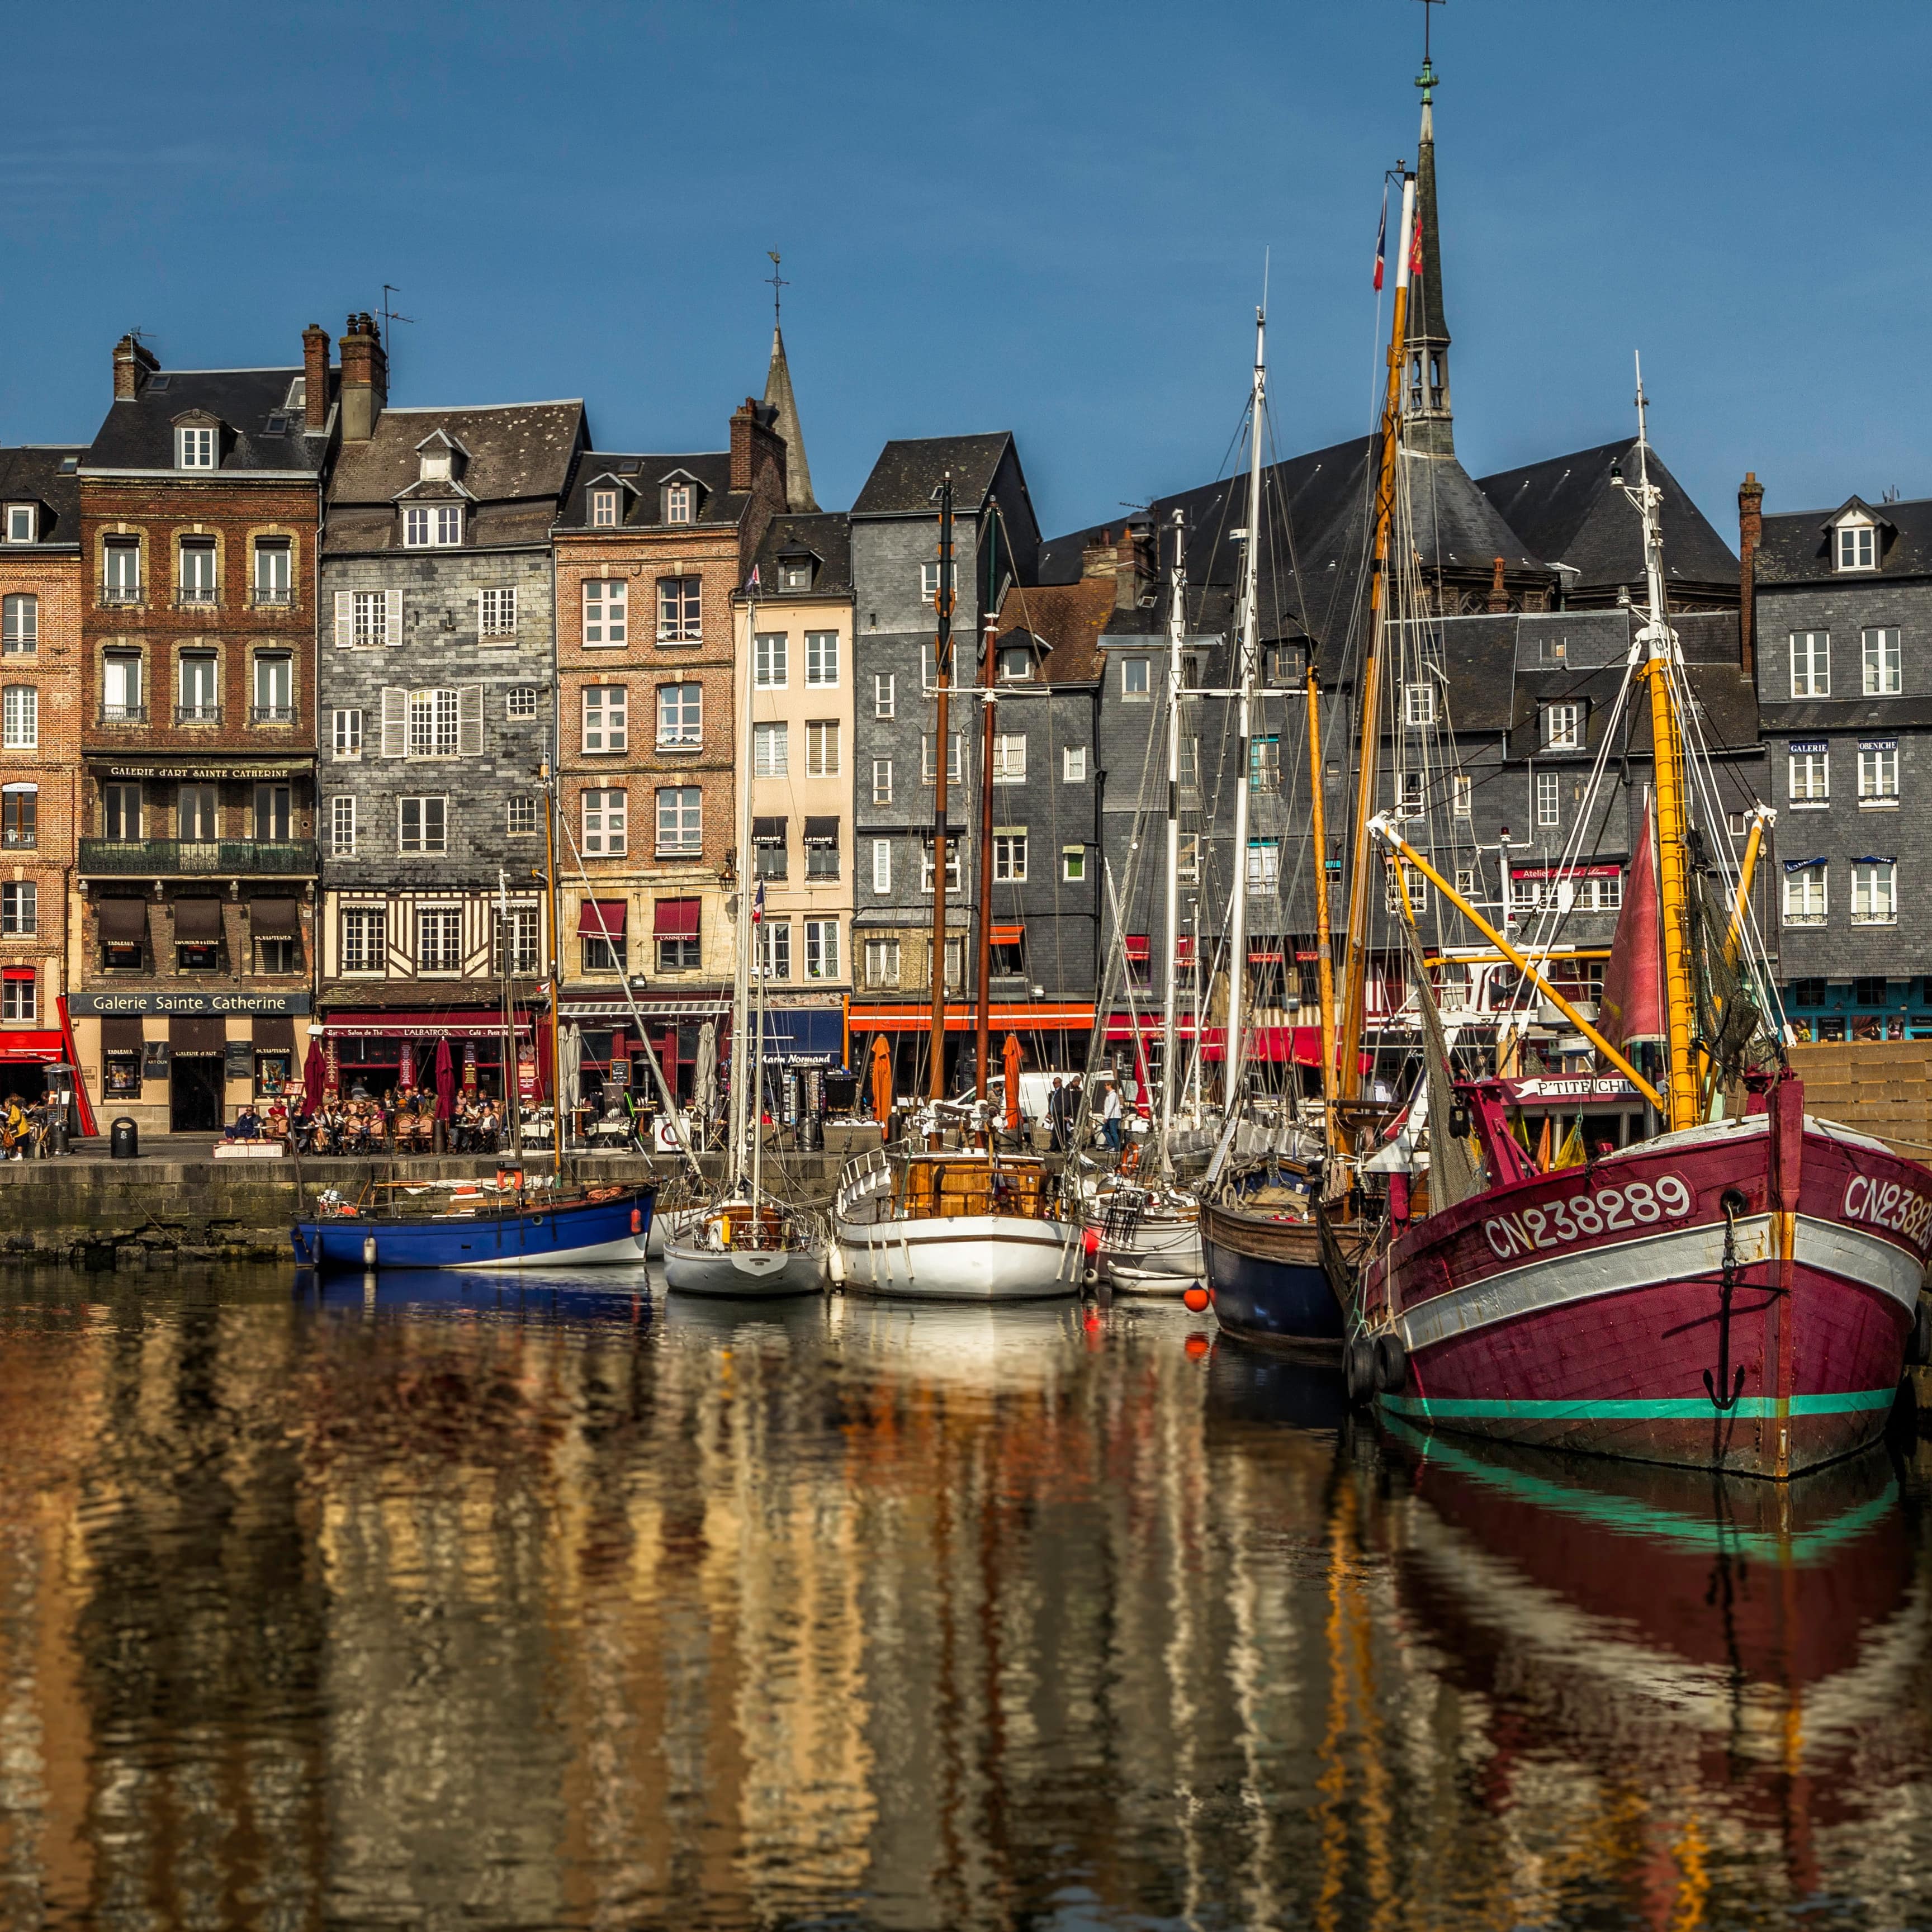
(1691, 1408)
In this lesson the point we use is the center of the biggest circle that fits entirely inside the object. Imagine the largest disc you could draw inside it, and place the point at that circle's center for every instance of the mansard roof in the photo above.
(824, 535)
(1566, 509)
(642, 478)
(139, 433)
(905, 480)
(1795, 547)
(44, 473)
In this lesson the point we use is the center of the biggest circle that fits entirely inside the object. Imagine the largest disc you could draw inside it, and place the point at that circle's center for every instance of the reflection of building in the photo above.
(435, 675)
(193, 933)
(39, 753)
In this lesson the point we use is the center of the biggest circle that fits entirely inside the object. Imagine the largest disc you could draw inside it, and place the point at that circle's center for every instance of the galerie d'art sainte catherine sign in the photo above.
(184, 1003)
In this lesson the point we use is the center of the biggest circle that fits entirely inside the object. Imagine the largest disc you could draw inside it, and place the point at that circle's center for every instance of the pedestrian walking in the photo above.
(1110, 1117)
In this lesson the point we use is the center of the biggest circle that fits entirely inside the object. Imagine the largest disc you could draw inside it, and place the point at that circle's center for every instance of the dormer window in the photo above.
(604, 510)
(796, 575)
(296, 401)
(432, 526)
(23, 522)
(1015, 664)
(194, 448)
(1858, 545)
(677, 503)
(436, 465)
(1563, 727)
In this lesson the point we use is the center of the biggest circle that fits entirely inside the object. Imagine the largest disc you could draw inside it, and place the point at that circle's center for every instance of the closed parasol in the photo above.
(570, 1072)
(1012, 1060)
(315, 1076)
(446, 1082)
(704, 1079)
(882, 1080)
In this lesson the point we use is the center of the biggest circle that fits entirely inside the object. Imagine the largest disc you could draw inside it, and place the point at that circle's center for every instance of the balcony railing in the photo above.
(13, 841)
(166, 858)
(271, 714)
(124, 714)
(197, 714)
(195, 593)
(271, 593)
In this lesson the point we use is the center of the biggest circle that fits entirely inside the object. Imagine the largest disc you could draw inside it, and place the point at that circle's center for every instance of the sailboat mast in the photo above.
(744, 1058)
(983, 1016)
(1176, 628)
(1362, 853)
(1658, 642)
(1237, 912)
(942, 653)
(1317, 837)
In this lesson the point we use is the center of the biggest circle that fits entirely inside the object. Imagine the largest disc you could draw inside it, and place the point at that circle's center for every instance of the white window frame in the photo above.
(688, 627)
(448, 526)
(20, 624)
(1811, 664)
(342, 826)
(1408, 794)
(1878, 779)
(20, 909)
(954, 861)
(1884, 662)
(1809, 780)
(427, 845)
(821, 660)
(274, 575)
(1803, 905)
(1549, 799)
(882, 781)
(885, 694)
(1418, 704)
(20, 718)
(603, 509)
(196, 447)
(603, 823)
(882, 864)
(520, 701)
(882, 962)
(771, 660)
(23, 522)
(1136, 681)
(824, 748)
(690, 807)
(1875, 884)
(821, 949)
(118, 583)
(511, 829)
(1462, 795)
(1263, 865)
(1073, 864)
(606, 714)
(346, 735)
(497, 613)
(1010, 858)
(1009, 758)
(605, 607)
(1073, 764)
(445, 955)
(1016, 664)
(771, 750)
(1856, 548)
(368, 620)
(771, 958)
(681, 729)
(678, 503)
(1264, 762)
(368, 951)
(1563, 727)
(928, 763)
(928, 582)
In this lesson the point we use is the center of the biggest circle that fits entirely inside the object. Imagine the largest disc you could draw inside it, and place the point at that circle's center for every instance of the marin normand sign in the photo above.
(184, 1003)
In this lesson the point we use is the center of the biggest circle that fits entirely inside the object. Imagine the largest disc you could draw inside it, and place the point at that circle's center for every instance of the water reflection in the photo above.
(472, 1601)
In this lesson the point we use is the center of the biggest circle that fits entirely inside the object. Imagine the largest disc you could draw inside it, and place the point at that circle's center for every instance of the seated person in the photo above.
(276, 1127)
(13, 1129)
(248, 1125)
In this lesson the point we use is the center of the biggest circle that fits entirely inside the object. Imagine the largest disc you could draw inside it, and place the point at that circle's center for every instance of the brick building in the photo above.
(192, 928)
(39, 754)
(649, 551)
(436, 722)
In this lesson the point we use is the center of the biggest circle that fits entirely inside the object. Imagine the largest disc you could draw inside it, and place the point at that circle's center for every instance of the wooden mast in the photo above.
(982, 1015)
(745, 1077)
(1177, 631)
(1348, 1060)
(1318, 834)
(942, 652)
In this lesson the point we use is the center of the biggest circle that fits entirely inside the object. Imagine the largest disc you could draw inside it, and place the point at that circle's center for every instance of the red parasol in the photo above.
(446, 1081)
(315, 1074)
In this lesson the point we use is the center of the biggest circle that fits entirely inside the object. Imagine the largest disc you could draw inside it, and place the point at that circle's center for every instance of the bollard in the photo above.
(125, 1140)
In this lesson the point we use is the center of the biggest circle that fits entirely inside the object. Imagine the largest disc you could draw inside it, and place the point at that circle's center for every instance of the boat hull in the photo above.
(598, 1233)
(742, 1273)
(1160, 1254)
(1266, 1280)
(1593, 1309)
(961, 1258)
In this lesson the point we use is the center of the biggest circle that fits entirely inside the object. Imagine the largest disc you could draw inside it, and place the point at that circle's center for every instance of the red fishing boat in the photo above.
(1740, 1292)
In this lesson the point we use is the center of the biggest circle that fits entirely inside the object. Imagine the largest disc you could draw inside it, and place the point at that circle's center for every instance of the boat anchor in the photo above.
(1724, 1404)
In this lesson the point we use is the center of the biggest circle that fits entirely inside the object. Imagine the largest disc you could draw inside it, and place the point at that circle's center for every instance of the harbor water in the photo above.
(446, 1601)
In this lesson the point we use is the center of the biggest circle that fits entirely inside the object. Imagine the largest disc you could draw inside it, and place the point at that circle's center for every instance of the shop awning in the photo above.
(124, 922)
(686, 1006)
(274, 919)
(1297, 1046)
(768, 832)
(121, 1033)
(401, 1023)
(1137, 946)
(1045, 1016)
(821, 832)
(1009, 935)
(198, 920)
(603, 919)
(676, 918)
(274, 1033)
(40, 1045)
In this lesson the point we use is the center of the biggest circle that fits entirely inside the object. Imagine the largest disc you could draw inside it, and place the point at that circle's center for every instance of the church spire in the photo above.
(778, 396)
(1430, 428)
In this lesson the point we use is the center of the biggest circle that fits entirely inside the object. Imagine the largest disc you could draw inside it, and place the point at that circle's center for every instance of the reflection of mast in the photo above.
(1355, 959)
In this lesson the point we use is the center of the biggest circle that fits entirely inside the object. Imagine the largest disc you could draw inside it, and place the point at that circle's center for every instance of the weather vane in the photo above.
(1426, 79)
(779, 283)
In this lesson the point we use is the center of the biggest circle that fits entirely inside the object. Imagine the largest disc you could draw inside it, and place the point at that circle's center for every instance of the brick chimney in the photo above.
(134, 362)
(315, 379)
(365, 378)
(1751, 528)
(1498, 592)
(754, 443)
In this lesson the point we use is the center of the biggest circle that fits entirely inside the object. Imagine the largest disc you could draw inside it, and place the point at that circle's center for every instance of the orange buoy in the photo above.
(637, 1220)
(1195, 1300)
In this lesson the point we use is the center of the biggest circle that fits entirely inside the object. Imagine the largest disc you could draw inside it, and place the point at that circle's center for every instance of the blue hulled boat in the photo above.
(1266, 1276)
(605, 1226)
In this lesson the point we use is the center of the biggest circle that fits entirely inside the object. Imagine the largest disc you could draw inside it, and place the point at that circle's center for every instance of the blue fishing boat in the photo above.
(605, 1224)
(1266, 1276)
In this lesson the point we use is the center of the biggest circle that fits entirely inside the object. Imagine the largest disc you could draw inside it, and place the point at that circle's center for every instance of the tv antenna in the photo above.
(390, 315)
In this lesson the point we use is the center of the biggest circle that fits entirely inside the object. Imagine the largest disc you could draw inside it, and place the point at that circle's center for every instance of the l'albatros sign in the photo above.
(187, 1002)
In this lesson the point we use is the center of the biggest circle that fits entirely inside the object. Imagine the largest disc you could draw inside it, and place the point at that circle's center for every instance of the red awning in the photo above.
(27, 1044)
(1183, 949)
(1137, 946)
(1049, 1016)
(602, 919)
(1299, 1046)
(388, 1023)
(1008, 935)
(676, 918)
(1120, 1026)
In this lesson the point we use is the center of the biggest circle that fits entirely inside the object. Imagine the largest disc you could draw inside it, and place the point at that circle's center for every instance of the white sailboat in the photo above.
(746, 1243)
(970, 1222)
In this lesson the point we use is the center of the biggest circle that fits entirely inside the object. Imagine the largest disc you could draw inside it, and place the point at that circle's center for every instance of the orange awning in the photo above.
(1008, 935)
(1045, 1016)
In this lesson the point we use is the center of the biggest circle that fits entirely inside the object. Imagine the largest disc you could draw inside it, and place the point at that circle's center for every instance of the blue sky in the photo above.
(1045, 217)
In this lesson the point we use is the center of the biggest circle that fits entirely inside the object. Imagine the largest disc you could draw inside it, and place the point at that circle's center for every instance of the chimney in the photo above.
(1751, 528)
(365, 378)
(1097, 560)
(1499, 593)
(134, 363)
(754, 443)
(315, 379)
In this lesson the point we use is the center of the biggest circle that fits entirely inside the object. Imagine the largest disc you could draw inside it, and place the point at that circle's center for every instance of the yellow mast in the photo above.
(1346, 1060)
(1658, 643)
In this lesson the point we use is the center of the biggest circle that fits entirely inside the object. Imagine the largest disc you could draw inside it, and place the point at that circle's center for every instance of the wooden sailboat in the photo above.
(1739, 1293)
(745, 1242)
(969, 1222)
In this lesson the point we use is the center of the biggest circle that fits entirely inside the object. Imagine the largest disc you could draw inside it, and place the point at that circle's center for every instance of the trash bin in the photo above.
(124, 1140)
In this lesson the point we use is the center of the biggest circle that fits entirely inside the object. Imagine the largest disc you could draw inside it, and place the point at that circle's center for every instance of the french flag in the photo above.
(1381, 236)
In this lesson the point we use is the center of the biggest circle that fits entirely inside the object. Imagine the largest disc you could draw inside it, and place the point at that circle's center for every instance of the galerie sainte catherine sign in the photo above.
(185, 1004)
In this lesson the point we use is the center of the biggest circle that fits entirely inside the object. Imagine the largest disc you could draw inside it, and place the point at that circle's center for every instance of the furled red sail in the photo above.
(1633, 1004)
